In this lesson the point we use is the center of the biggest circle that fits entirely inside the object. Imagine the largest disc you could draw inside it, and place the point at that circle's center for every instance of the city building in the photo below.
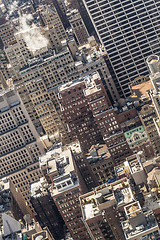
(129, 33)
(13, 229)
(139, 224)
(138, 141)
(50, 67)
(67, 184)
(6, 32)
(134, 168)
(4, 199)
(20, 143)
(18, 205)
(78, 4)
(44, 234)
(57, 5)
(17, 55)
(78, 27)
(100, 214)
(94, 106)
(46, 211)
(106, 119)
(83, 165)
(78, 115)
(51, 18)
(149, 99)
(93, 57)
(127, 114)
(40, 79)
(101, 163)
(123, 193)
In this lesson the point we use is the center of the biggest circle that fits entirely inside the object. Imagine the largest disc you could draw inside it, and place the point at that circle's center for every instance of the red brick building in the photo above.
(90, 117)
(106, 119)
(78, 115)
(66, 186)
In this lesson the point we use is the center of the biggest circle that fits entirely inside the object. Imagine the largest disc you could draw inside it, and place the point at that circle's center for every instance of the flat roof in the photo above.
(91, 86)
(146, 228)
(93, 202)
(60, 166)
(122, 192)
(140, 90)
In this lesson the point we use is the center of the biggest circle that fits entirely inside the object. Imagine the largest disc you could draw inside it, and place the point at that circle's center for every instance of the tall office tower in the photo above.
(6, 32)
(46, 212)
(51, 18)
(78, 27)
(78, 4)
(92, 57)
(100, 215)
(78, 115)
(63, 6)
(40, 79)
(106, 119)
(19, 142)
(17, 55)
(66, 187)
(57, 5)
(5, 68)
(129, 30)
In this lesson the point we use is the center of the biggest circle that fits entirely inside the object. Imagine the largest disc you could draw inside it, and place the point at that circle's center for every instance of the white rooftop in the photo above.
(60, 166)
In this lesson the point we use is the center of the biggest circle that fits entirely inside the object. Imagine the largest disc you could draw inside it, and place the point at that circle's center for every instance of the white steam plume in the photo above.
(12, 8)
(31, 33)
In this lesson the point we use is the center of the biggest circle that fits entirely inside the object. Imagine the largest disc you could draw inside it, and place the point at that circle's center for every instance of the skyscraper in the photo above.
(20, 145)
(66, 186)
(130, 31)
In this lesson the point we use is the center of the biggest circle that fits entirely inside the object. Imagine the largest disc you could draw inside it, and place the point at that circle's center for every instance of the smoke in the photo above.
(12, 8)
(31, 33)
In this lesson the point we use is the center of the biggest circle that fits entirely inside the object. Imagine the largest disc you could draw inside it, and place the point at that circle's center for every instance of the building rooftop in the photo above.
(133, 164)
(91, 86)
(89, 79)
(46, 58)
(120, 171)
(135, 136)
(155, 173)
(139, 90)
(73, 15)
(60, 168)
(70, 84)
(97, 153)
(94, 202)
(141, 224)
(39, 188)
(122, 192)
(75, 147)
(151, 203)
